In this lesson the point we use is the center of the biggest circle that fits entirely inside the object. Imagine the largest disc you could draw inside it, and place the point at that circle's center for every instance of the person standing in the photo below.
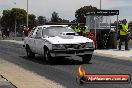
(78, 29)
(25, 31)
(8, 33)
(84, 31)
(123, 34)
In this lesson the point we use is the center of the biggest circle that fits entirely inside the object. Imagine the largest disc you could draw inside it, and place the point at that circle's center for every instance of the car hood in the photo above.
(68, 39)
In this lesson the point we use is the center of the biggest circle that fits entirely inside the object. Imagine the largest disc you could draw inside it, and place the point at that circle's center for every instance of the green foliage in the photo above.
(9, 17)
(81, 13)
(32, 20)
(64, 21)
(55, 17)
(73, 21)
(6, 20)
(16, 14)
(41, 20)
(20, 17)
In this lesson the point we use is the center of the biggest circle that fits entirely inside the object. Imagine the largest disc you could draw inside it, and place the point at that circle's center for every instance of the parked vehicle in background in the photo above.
(58, 41)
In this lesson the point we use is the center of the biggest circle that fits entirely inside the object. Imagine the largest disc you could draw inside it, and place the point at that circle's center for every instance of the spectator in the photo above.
(123, 34)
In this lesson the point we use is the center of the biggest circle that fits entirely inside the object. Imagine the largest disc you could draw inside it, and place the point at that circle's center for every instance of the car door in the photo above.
(32, 41)
(39, 42)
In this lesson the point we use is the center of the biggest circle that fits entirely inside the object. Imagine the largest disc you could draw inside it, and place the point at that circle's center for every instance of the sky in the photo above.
(66, 8)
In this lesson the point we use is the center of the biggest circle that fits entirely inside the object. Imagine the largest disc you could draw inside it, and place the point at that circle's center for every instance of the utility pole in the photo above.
(15, 21)
(100, 4)
(100, 16)
(15, 25)
(27, 13)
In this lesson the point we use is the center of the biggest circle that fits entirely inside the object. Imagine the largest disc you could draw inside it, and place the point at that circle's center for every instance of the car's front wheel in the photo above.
(47, 55)
(30, 54)
(86, 58)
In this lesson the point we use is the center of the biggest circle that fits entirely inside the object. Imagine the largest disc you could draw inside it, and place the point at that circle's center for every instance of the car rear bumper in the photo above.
(71, 52)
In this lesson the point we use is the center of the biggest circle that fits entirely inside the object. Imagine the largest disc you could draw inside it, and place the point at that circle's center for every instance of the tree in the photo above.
(10, 16)
(6, 20)
(16, 15)
(41, 20)
(64, 21)
(55, 17)
(19, 15)
(73, 21)
(32, 20)
(81, 13)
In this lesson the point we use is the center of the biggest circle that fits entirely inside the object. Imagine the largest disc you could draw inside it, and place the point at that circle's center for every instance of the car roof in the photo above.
(46, 26)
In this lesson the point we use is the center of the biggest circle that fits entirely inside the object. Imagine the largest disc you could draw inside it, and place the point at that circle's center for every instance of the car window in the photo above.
(34, 33)
(38, 34)
(56, 31)
(31, 33)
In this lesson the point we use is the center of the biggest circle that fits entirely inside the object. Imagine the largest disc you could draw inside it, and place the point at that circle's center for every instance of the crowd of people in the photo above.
(123, 33)
(6, 33)
(81, 30)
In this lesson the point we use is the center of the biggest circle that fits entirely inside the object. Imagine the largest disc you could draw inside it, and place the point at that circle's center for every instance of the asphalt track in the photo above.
(64, 70)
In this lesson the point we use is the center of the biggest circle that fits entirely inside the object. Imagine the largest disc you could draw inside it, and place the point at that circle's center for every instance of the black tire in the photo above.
(30, 54)
(86, 58)
(47, 55)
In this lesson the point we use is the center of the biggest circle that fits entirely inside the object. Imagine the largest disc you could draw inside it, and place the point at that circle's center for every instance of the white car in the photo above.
(58, 41)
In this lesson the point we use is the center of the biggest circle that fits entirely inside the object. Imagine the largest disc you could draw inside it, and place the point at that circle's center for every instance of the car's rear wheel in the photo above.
(30, 54)
(86, 58)
(47, 55)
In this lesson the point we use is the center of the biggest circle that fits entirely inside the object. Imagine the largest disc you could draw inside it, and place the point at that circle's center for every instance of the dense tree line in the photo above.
(18, 15)
(15, 16)
(81, 13)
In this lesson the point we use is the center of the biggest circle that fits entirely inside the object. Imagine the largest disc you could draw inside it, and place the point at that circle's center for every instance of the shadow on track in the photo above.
(55, 61)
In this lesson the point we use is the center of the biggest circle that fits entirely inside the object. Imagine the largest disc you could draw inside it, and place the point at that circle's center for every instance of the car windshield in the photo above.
(56, 31)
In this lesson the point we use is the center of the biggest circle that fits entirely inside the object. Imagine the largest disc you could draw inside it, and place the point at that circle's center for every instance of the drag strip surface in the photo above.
(64, 71)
